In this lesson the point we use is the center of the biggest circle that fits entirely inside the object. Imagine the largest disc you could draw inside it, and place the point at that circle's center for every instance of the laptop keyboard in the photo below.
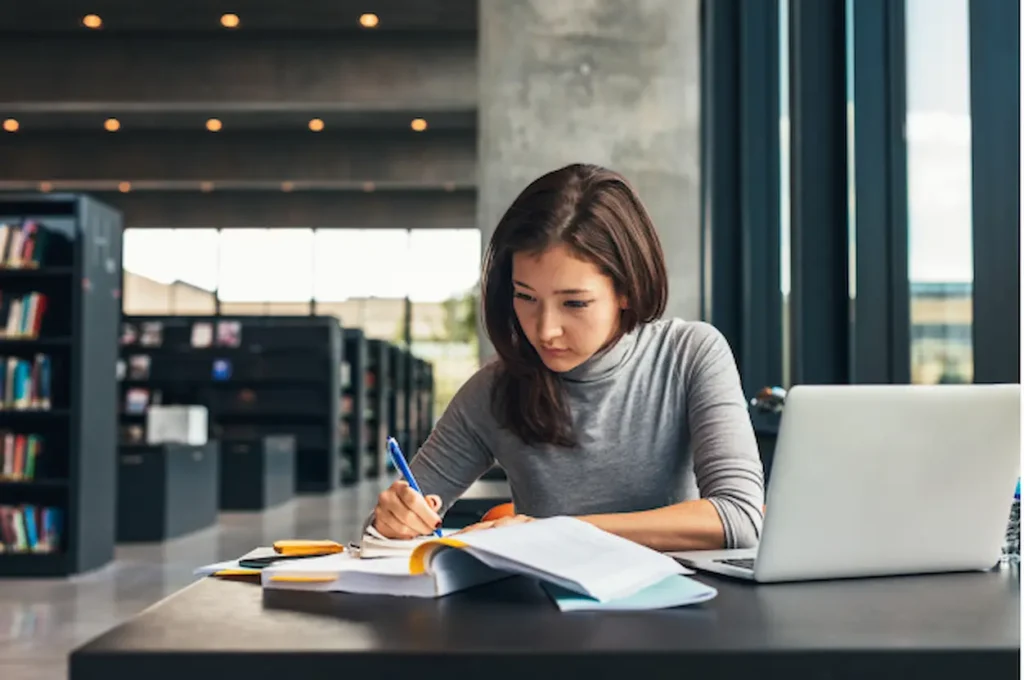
(744, 563)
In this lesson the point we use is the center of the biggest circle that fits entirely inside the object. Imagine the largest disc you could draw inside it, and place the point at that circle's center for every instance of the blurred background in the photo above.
(835, 183)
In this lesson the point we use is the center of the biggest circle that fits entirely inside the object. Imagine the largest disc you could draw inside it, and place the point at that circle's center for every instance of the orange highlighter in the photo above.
(284, 550)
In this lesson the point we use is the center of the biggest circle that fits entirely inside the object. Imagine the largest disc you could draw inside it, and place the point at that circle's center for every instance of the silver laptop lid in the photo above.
(890, 479)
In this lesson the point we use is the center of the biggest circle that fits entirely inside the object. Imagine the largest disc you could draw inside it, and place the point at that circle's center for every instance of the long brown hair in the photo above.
(599, 217)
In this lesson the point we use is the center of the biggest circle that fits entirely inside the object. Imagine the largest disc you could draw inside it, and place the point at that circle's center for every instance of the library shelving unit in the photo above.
(398, 408)
(424, 380)
(60, 278)
(258, 376)
(353, 408)
(378, 395)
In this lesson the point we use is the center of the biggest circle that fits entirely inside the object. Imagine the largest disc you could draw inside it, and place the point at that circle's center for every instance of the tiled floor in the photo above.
(41, 621)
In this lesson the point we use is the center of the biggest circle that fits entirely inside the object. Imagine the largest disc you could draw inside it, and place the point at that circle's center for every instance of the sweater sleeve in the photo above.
(457, 452)
(726, 461)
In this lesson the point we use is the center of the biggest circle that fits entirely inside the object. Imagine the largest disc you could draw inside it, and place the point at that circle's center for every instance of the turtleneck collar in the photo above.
(605, 362)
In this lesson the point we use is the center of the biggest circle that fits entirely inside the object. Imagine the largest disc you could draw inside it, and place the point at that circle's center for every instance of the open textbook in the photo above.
(567, 553)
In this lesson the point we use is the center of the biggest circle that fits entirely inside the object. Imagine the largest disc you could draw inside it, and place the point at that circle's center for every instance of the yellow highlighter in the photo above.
(307, 547)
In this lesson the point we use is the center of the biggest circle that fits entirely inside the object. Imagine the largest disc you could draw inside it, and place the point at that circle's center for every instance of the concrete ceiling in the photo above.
(259, 15)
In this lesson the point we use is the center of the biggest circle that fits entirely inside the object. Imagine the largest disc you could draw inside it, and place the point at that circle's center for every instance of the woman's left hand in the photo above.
(494, 524)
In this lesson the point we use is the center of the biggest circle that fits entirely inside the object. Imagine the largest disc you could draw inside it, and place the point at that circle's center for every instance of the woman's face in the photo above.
(568, 309)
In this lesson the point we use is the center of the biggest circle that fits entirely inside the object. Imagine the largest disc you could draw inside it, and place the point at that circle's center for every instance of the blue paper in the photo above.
(674, 591)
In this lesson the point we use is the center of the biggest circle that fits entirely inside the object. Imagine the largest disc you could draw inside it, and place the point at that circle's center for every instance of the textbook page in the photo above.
(674, 591)
(573, 554)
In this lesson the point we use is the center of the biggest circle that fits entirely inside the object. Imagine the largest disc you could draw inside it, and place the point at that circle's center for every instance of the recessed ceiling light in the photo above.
(45, 187)
(92, 21)
(206, 187)
(369, 20)
(287, 186)
(11, 125)
(111, 125)
(316, 125)
(124, 187)
(214, 125)
(418, 124)
(229, 20)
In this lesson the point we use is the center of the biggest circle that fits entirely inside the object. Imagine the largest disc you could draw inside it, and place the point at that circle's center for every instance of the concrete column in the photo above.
(613, 82)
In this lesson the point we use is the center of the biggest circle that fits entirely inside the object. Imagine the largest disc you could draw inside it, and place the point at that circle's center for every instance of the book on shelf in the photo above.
(30, 529)
(24, 384)
(22, 314)
(22, 245)
(138, 366)
(18, 455)
(146, 334)
(136, 400)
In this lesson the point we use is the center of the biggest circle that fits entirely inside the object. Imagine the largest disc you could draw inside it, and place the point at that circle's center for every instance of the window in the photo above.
(784, 272)
(266, 271)
(938, 136)
(170, 271)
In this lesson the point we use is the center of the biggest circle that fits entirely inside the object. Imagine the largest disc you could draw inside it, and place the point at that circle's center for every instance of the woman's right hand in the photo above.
(404, 513)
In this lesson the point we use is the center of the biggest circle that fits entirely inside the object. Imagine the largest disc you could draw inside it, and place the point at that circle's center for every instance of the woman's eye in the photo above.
(577, 304)
(522, 296)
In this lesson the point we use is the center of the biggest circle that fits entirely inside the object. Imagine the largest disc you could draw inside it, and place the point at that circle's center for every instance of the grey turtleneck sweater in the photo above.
(660, 418)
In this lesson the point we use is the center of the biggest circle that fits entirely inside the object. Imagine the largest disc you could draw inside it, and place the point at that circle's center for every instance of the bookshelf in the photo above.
(398, 408)
(60, 272)
(354, 405)
(258, 376)
(378, 395)
(424, 381)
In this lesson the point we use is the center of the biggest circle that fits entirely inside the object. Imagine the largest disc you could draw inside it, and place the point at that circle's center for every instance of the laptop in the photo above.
(880, 480)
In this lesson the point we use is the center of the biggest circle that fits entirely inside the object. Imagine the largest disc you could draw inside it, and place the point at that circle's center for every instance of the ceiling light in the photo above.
(369, 20)
(11, 125)
(206, 187)
(229, 20)
(214, 125)
(112, 125)
(45, 187)
(92, 21)
(124, 187)
(368, 187)
(316, 125)
(287, 186)
(418, 124)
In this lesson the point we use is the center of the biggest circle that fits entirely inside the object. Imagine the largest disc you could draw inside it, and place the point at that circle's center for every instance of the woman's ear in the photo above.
(623, 302)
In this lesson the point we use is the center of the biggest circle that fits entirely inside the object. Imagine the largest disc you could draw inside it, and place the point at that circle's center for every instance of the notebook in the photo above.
(562, 551)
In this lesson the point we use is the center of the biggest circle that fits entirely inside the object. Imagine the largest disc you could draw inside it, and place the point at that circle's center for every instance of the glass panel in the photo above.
(170, 271)
(445, 276)
(784, 273)
(939, 190)
(360, 263)
(266, 271)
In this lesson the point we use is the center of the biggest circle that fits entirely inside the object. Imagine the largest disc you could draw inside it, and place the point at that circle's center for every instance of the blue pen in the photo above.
(403, 467)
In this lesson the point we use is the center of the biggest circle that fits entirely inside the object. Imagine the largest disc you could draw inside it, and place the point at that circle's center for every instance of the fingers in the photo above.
(434, 501)
(417, 505)
(400, 526)
(403, 513)
(388, 526)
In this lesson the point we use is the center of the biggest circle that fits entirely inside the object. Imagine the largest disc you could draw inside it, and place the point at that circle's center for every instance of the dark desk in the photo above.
(964, 624)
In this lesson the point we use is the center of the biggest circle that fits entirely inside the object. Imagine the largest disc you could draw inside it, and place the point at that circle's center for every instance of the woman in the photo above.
(594, 406)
